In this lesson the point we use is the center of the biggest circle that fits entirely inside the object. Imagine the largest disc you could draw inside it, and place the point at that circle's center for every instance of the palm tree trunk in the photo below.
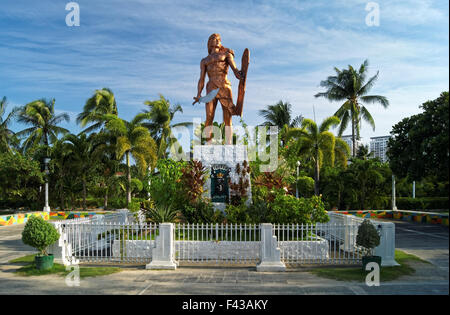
(339, 200)
(316, 177)
(129, 179)
(105, 204)
(61, 196)
(353, 138)
(84, 192)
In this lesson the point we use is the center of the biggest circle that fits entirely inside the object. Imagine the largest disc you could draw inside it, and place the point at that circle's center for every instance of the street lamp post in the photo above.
(394, 206)
(46, 207)
(296, 182)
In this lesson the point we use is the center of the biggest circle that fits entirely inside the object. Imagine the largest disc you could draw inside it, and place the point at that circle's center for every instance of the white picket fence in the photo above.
(217, 243)
(120, 239)
(316, 243)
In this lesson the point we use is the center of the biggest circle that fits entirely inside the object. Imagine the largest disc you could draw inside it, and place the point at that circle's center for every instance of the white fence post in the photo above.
(270, 253)
(349, 234)
(386, 249)
(164, 250)
(61, 250)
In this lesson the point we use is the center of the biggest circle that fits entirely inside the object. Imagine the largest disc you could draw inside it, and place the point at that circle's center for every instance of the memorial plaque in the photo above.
(219, 183)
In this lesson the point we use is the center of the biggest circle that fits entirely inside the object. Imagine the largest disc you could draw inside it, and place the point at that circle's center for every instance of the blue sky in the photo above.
(141, 48)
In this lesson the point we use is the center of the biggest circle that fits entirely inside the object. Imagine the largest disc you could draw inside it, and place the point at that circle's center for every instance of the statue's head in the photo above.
(214, 43)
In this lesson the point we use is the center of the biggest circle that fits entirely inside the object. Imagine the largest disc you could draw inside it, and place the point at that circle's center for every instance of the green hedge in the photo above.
(426, 203)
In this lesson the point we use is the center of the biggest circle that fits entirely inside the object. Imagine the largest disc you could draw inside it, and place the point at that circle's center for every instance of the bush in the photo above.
(238, 214)
(288, 209)
(39, 234)
(134, 206)
(277, 207)
(161, 214)
(367, 237)
(20, 179)
(430, 203)
(202, 212)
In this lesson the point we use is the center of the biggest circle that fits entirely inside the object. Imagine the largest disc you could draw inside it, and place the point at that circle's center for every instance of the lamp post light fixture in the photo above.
(46, 207)
(296, 182)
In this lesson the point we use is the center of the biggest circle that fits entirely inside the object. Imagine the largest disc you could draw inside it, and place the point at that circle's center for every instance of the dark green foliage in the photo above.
(161, 214)
(20, 179)
(280, 208)
(430, 203)
(367, 237)
(39, 234)
(364, 184)
(419, 146)
(165, 186)
(202, 211)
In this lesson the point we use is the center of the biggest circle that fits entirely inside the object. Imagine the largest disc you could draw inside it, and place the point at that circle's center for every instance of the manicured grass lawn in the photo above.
(386, 274)
(29, 269)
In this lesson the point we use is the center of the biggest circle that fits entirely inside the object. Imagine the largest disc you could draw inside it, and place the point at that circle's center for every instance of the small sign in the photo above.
(219, 183)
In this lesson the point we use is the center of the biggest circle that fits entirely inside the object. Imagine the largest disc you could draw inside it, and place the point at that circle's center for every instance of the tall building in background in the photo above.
(348, 140)
(378, 145)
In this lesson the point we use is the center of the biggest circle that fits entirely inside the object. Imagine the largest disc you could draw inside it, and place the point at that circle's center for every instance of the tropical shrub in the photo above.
(367, 237)
(165, 185)
(238, 213)
(430, 203)
(202, 211)
(161, 214)
(288, 209)
(20, 179)
(39, 234)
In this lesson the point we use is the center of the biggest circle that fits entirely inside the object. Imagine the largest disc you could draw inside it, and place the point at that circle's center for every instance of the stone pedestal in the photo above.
(220, 162)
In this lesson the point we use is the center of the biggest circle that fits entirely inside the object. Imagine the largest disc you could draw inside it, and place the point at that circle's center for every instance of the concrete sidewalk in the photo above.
(221, 281)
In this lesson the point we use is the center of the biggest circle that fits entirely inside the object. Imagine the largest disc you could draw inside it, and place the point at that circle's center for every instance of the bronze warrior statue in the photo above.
(216, 66)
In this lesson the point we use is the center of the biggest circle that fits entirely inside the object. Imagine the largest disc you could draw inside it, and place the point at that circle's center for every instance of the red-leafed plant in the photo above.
(193, 180)
(239, 190)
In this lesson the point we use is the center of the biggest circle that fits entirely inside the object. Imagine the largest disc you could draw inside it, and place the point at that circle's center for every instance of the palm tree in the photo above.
(84, 153)
(280, 115)
(108, 164)
(133, 139)
(319, 144)
(160, 116)
(44, 128)
(363, 152)
(60, 163)
(350, 85)
(6, 134)
(101, 103)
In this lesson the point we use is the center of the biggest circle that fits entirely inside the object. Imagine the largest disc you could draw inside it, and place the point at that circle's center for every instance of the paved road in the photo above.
(11, 245)
(429, 242)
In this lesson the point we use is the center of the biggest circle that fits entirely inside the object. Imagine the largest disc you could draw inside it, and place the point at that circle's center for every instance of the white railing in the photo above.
(110, 242)
(386, 230)
(316, 243)
(217, 243)
(132, 242)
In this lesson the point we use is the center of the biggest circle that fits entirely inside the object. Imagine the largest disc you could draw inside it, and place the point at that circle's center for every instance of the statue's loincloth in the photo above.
(224, 95)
